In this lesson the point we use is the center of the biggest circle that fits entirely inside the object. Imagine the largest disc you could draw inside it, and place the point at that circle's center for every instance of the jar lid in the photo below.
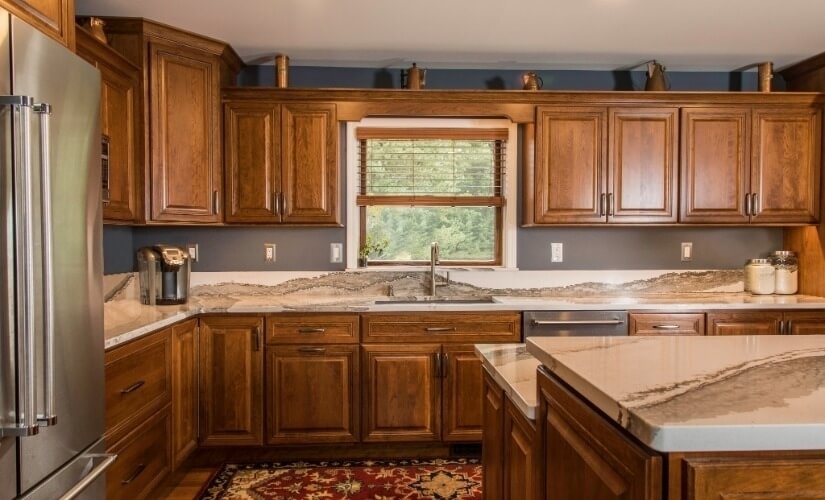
(759, 261)
(784, 253)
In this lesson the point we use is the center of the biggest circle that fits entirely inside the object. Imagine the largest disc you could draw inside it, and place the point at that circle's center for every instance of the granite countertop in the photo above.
(736, 393)
(514, 369)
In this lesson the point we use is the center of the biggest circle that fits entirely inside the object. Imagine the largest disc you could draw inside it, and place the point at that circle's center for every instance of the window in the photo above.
(420, 184)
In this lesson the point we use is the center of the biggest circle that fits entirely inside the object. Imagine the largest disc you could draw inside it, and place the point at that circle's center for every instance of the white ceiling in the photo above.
(515, 34)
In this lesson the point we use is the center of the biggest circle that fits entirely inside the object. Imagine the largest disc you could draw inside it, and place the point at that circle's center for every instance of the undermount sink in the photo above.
(434, 300)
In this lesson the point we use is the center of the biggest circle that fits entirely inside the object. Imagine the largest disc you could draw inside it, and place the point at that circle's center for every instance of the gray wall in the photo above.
(241, 248)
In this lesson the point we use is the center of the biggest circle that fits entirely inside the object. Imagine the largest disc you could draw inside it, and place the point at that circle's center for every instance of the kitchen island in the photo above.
(681, 417)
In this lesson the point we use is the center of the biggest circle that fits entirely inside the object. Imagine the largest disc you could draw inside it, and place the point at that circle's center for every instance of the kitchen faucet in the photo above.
(434, 250)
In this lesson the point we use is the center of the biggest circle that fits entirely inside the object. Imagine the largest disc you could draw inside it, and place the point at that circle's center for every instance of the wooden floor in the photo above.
(185, 484)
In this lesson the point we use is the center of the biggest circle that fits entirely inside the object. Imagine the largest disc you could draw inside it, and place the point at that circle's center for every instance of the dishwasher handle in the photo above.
(562, 322)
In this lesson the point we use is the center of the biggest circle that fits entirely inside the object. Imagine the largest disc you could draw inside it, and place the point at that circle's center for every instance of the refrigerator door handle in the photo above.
(91, 477)
(48, 417)
(26, 424)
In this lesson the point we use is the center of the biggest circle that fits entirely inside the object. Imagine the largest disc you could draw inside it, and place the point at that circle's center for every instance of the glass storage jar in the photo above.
(786, 265)
(760, 277)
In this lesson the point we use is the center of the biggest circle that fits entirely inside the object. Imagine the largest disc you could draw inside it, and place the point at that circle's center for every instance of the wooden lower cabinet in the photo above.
(521, 470)
(402, 392)
(143, 459)
(667, 324)
(492, 445)
(584, 456)
(231, 381)
(744, 323)
(312, 394)
(463, 392)
(184, 390)
(804, 323)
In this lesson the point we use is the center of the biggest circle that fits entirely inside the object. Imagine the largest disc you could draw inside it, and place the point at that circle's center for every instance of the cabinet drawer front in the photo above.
(143, 460)
(667, 324)
(137, 381)
(312, 329)
(442, 327)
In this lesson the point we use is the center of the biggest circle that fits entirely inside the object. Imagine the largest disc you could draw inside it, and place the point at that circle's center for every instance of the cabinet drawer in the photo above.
(667, 324)
(137, 381)
(289, 328)
(442, 327)
(142, 459)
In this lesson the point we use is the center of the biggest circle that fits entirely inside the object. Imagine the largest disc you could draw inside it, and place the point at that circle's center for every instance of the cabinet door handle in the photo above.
(276, 207)
(789, 327)
(602, 204)
(312, 350)
(445, 365)
(140, 468)
(439, 329)
(283, 204)
(610, 204)
(755, 204)
(215, 201)
(256, 339)
(312, 330)
(666, 327)
(132, 388)
(748, 204)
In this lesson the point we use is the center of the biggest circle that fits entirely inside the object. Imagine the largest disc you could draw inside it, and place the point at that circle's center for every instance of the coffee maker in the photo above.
(164, 275)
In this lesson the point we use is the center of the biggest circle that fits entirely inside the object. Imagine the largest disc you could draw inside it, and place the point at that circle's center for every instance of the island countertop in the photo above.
(682, 394)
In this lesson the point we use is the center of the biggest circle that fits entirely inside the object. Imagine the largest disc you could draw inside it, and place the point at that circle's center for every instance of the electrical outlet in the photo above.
(192, 249)
(336, 253)
(269, 252)
(687, 252)
(556, 252)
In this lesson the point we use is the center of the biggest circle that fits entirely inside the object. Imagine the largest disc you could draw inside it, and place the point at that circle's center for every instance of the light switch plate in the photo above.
(192, 249)
(336, 253)
(556, 252)
(269, 252)
(687, 252)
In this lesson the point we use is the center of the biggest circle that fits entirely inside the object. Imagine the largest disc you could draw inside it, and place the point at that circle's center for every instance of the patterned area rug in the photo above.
(458, 479)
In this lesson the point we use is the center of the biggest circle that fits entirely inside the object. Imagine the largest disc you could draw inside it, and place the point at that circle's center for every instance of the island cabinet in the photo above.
(492, 443)
(751, 164)
(422, 380)
(53, 17)
(120, 86)
(666, 323)
(231, 380)
(184, 340)
(312, 378)
(179, 116)
(281, 163)
(766, 323)
(600, 164)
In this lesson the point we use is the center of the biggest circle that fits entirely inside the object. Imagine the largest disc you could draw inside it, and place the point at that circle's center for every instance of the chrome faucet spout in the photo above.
(434, 256)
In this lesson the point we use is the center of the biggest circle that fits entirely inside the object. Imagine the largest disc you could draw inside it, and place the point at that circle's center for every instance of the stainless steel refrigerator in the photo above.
(51, 305)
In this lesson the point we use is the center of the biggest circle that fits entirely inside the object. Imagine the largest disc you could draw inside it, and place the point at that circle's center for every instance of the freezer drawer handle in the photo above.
(91, 477)
(132, 388)
(138, 470)
(578, 322)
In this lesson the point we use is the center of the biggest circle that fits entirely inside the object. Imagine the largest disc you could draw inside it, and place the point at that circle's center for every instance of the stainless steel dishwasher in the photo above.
(574, 323)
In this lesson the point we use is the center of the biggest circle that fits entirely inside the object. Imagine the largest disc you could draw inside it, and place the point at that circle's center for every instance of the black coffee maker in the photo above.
(164, 275)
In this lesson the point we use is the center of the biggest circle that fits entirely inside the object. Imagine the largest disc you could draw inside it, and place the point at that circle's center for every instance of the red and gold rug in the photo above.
(458, 479)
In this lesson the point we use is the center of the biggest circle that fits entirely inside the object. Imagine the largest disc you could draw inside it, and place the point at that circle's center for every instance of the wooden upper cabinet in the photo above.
(715, 164)
(185, 138)
(744, 323)
(120, 86)
(253, 167)
(643, 176)
(785, 164)
(53, 17)
(231, 381)
(309, 168)
(571, 156)
(463, 390)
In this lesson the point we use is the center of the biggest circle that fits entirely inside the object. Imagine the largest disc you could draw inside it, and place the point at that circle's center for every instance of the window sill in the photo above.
(427, 268)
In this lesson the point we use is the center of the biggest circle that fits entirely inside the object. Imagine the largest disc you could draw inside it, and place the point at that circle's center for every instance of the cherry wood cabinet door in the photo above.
(309, 163)
(312, 394)
(785, 166)
(492, 446)
(667, 323)
(402, 392)
(185, 134)
(643, 176)
(805, 323)
(570, 167)
(253, 165)
(463, 393)
(231, 380)
(715, 165)
(53, 17)
(744, 323)
(184, 390)
(585, 456)
(521, 460)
